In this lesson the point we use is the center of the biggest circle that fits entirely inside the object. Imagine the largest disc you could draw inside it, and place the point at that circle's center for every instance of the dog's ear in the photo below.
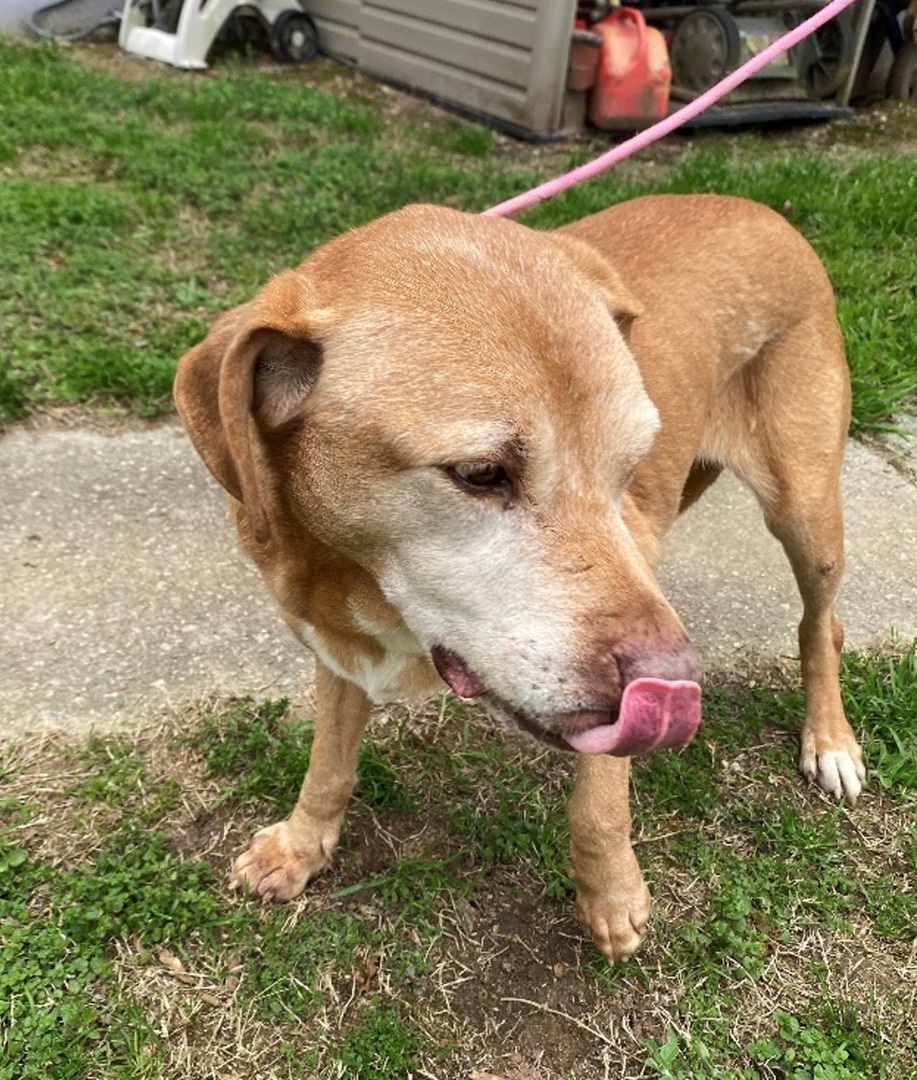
(251, 373)
(622, 303)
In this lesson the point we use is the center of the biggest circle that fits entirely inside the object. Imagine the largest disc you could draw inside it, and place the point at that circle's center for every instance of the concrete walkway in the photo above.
(14, 14)
(74, 18)
(122, 591)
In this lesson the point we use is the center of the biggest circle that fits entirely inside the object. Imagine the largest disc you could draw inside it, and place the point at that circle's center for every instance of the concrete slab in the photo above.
(122, 589)
(14, 15)
(73, 18)
(732, 586)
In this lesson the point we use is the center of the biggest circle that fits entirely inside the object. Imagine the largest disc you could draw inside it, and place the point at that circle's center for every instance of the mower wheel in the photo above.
(705, 47)
(824, 58)
(294, 37)
(902, 79)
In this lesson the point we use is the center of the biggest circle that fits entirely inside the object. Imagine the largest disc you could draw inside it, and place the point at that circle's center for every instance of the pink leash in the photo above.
(670, 123)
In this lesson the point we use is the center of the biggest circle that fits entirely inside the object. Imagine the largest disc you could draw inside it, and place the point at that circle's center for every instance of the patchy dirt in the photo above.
(898, 446)
(101, 418)
(512, 983)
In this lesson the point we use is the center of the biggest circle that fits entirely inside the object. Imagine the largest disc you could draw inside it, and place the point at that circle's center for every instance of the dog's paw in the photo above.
(617, 915)
(838, 770)
(279, 861)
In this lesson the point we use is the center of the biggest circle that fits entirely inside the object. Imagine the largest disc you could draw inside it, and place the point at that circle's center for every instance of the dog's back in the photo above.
(737, 340)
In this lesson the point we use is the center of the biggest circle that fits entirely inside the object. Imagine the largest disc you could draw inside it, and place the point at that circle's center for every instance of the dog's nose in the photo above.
(670, 660)
(644, 652)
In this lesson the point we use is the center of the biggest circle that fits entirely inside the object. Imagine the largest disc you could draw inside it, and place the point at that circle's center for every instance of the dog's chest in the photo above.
(397, 668)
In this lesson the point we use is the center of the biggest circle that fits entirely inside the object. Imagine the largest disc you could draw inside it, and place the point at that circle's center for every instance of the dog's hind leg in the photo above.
(812, 536)
(794, 451)
(283, 857)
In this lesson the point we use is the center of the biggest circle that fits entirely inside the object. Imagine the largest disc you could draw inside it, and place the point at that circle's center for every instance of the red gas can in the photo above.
(633, 78)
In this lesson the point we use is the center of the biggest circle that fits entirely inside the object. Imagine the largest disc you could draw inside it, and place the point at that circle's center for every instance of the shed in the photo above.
(505, 60)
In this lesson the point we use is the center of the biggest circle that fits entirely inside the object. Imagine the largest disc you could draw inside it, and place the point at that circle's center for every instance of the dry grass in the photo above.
(485, 964)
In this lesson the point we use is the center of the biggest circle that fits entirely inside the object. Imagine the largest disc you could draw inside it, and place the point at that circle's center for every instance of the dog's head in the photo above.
(449, 402)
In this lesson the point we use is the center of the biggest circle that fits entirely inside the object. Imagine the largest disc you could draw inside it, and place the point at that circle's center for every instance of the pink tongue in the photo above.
(655, 714)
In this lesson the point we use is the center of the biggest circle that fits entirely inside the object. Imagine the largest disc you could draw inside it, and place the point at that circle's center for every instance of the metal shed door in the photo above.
(504, 58)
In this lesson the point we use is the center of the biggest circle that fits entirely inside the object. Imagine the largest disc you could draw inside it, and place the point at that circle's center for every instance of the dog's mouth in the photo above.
(653, 714)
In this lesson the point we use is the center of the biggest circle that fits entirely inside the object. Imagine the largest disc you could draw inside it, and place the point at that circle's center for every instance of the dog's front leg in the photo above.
(611, 896)
(283, 857)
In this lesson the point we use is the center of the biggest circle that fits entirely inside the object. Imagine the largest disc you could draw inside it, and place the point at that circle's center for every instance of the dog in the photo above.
(453, 446)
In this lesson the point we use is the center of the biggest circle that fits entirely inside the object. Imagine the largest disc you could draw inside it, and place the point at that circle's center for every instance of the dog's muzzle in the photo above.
(653, 713)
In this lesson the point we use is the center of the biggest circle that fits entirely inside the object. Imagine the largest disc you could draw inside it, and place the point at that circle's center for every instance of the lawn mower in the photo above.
(181, 32)
(706, 41)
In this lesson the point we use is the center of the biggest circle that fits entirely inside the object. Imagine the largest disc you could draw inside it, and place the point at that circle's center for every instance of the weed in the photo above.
(56, 1017)
(14, 811)
(378, 783)
(115, 772)
(678, 1059)
(265, 757)
(523, 820)
(829, 1041)
(417, 884)
(18, 874)
(880, 696)
(383, 1043)
(281, 966)
(825, 1048)
(139, 887)
(117, 777)
(250, 745)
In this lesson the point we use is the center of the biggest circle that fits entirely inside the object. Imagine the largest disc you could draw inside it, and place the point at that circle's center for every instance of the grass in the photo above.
(442, 939)
(138, 202)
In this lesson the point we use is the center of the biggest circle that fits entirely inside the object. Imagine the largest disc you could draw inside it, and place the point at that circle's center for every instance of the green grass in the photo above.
(58, 1015)
(132, 213)
(263, 758)
(880, 696)
(779, 948)
(826, 1043)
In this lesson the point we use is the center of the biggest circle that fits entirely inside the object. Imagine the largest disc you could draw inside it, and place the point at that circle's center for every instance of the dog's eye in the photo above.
(480, 477)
